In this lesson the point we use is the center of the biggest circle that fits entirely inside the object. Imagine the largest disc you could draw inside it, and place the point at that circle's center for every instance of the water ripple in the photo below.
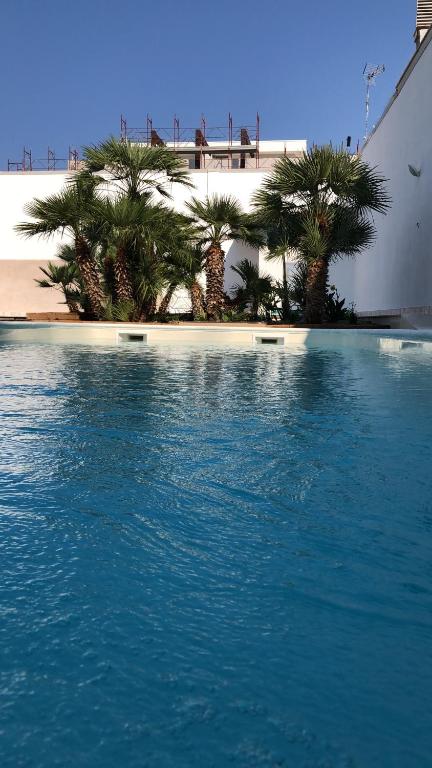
(214, 557)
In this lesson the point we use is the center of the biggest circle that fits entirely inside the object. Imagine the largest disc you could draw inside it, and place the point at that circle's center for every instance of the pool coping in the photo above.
(213, 334)
(219, 327)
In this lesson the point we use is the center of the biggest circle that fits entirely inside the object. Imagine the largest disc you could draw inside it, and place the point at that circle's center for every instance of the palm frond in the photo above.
(319, 204)
(219, 218)
(135, 168)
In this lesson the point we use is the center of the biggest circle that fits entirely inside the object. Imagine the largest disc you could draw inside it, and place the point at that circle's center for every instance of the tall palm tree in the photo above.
(71, 211)
(320, 206)
(135, 169)
(218, 219)
(254, 289)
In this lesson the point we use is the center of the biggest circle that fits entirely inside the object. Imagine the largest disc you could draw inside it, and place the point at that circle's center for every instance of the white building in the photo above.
(235, 163)
(393, 279)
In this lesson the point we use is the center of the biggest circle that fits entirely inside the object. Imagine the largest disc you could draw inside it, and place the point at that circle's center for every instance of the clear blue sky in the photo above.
(70, 67)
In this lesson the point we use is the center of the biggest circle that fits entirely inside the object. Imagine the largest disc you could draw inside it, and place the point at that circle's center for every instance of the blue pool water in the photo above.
(215, 558)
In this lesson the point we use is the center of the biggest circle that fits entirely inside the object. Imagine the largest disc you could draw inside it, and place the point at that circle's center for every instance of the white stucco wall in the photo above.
(396, 272)
(20, 258)
(17, 189)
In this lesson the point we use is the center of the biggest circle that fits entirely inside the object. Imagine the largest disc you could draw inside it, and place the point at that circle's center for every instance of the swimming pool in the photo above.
(215, 557)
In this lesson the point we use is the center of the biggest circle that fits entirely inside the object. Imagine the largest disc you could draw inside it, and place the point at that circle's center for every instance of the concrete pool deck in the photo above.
(226, 334)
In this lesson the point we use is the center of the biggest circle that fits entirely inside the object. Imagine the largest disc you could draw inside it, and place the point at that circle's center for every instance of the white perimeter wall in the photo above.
(396, 273)
(17, 189)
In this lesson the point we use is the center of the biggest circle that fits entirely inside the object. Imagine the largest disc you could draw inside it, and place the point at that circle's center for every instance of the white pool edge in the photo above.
(128, 334)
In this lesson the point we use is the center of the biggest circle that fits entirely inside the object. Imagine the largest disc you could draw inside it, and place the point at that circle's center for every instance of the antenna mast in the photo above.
(370, 74)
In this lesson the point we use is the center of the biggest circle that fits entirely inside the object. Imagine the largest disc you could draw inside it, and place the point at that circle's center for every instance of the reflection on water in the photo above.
(214, 557)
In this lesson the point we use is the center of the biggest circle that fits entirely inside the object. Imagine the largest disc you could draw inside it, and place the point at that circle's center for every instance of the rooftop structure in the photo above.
(214, 147)
(226, 147)
(48, 163)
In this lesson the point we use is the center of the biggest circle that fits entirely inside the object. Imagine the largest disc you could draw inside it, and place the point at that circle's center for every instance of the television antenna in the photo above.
(370, 74)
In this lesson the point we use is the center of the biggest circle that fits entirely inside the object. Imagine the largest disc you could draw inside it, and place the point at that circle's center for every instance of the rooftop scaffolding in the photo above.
(203, 147)
(49, 163)
(207, 146)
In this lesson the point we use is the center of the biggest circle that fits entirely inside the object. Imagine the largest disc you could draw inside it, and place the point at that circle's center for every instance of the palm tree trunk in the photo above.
(151, 307)
(148, 308)
(215, 271)
(316, 291)
(123, 284)
(197, 300)
(164, 305)
(254, 309)
(89, 275)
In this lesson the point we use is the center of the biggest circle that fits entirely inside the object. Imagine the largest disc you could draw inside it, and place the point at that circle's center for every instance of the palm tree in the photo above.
(218, 219)
(190, 263)
(174, 262)
(320, 206)
(298, 285)
(71, 211)
(194, 264)
(166, 301)
(173, 279)
(184, 264)
(135, 172)
(152, 254)
(255, 289)
(65, 277)
(123, 220)
(135, 169)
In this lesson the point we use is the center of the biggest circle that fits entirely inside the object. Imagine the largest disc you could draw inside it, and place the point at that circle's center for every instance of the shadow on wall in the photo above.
(20, 294)
(234, 253)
